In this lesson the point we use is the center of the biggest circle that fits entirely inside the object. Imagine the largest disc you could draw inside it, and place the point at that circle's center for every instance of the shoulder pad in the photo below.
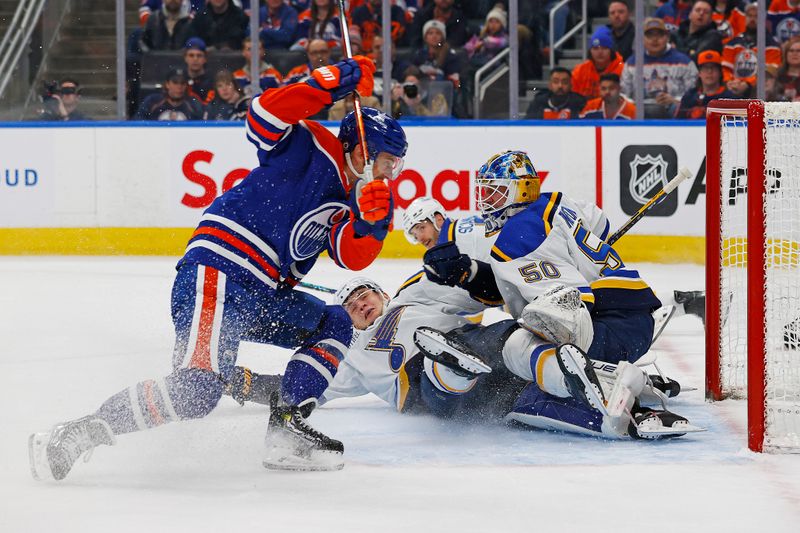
(527, 230)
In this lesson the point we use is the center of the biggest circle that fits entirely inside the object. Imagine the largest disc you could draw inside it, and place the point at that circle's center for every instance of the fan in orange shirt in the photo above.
(611, 104)
(603, 60)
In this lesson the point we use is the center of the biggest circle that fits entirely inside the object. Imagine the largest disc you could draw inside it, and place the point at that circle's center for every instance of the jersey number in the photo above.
(599, 252)
(538, 271)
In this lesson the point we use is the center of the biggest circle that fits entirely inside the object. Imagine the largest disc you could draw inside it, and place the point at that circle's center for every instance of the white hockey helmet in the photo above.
(422, 209)
(352, 285)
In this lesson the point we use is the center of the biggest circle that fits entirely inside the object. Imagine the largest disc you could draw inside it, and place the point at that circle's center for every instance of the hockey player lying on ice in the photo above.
(235, 281)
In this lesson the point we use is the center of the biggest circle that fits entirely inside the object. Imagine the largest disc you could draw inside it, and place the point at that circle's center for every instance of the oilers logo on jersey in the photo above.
(310, 233)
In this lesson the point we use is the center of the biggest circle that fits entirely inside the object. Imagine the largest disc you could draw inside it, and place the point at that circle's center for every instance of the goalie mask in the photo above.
(505, 185)
(420, 210)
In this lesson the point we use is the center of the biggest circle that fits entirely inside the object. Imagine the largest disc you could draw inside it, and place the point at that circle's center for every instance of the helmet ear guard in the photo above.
(383, 134)
(422, 209)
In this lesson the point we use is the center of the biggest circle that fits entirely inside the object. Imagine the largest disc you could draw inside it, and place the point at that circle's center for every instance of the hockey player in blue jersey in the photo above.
(310, 193)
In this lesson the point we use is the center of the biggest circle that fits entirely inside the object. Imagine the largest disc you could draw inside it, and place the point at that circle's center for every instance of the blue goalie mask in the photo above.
(505, 185)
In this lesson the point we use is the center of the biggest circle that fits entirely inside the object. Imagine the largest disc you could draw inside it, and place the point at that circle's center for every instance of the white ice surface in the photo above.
(74, 331)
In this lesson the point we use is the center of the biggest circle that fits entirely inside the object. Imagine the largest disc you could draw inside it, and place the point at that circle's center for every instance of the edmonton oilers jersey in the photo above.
(271, 227)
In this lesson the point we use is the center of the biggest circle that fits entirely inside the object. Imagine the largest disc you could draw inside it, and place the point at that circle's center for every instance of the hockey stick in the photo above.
(314, 287)
(348, 54)
(654, 201)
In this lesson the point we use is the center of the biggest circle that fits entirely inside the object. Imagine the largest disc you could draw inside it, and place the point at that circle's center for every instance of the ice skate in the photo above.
(694, 303)
(54, 453)
(652, 424)
(579, 377)
(294, 445)
(447, 350)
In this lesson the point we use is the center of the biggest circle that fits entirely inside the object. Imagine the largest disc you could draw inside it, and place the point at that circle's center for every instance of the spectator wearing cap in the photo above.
(221, 24)
(558, 101)
(603, 59)
(174, 103)
(319, 55)
(369, 20)
(698, 32)
(611, 104)
(320, 21)
(622, 31)
(709, 87)
(668, 73)
(230, 102)
(739, 65)
(442, 11)
(167, 28)
(269, 78)
(492, 38)
(436, 60)
(62, 103)
(783, 16)
(201, 86)
(278, 24)
(673, 12)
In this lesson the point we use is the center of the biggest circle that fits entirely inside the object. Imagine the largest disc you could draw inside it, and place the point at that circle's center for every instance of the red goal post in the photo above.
(752, 281)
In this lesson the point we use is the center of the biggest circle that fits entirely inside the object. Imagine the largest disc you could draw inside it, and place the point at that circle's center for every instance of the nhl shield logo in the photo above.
(643, 170)
(648, 175)
(310, 233)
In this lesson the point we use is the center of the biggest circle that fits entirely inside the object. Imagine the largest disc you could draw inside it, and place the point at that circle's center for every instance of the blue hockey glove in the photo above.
(345, 77)
(446, 265)
(373, 194)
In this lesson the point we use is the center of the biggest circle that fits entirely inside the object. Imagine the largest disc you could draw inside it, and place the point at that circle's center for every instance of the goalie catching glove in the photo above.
(344, 77)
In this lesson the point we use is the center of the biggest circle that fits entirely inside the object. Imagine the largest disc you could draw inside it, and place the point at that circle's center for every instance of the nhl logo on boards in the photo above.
(310, 233)
(644, 170)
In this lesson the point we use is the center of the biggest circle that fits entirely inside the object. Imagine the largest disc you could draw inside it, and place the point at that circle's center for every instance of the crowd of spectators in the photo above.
(694, 51)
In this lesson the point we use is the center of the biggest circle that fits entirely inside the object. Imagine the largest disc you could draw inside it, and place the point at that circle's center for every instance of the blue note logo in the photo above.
(310, 233)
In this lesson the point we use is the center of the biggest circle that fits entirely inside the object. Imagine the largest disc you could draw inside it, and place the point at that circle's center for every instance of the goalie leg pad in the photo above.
(538, 409)
(560, 317)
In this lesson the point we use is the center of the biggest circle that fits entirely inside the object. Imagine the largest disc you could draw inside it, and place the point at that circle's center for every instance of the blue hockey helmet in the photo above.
(505, 185)
(384, 134)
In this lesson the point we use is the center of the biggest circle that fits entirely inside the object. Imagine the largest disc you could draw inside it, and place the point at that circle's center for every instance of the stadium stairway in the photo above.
(85, 49)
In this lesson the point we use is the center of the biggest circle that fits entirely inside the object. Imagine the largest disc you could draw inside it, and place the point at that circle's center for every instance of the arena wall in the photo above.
(122, 188)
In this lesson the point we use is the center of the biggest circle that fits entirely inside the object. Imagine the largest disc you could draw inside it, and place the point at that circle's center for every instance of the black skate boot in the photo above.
(55, 453)
(694, 303)
(653, 424)
(294, 445)
(446, 349)
(580, 377)
(245, 385)
(669, 387)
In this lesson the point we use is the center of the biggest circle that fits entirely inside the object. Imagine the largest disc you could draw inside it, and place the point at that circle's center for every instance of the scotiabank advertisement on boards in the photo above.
(145, 176)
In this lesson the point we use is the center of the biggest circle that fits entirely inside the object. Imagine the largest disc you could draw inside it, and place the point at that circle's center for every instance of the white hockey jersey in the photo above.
(554, 242)
(469, 236)
(381, 359)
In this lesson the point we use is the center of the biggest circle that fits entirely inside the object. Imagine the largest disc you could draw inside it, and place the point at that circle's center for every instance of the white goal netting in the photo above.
(781, 310)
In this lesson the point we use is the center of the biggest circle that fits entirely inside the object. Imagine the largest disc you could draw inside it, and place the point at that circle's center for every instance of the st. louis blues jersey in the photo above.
(270, 228)
(553, 242)
(384, 360)
(469, 236)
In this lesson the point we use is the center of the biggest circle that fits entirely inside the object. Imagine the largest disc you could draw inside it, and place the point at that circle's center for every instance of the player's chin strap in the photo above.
(365, 175)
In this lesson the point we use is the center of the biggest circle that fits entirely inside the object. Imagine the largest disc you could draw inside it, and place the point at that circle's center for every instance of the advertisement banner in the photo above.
(639, 161)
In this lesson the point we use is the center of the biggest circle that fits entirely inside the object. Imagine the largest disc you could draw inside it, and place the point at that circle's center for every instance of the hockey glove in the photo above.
(446, 265)
(373, 206)
(344, 77)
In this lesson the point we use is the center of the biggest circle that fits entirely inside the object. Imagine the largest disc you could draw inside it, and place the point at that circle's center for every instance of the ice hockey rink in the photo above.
(73, 331)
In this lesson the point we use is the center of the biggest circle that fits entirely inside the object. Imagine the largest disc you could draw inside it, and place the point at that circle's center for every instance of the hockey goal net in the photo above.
(753, 265)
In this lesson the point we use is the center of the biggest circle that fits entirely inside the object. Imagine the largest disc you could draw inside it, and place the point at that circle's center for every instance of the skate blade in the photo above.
(575, 363)
(678, 429)
(37, 446)
(318, 462)
(435, 343)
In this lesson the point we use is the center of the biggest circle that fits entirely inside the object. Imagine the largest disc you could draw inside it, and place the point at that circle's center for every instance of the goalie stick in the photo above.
(654, 201)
